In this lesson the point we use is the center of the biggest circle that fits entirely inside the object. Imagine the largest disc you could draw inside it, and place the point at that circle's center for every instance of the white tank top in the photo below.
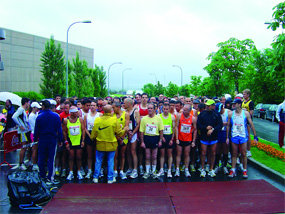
(225, 119)
(90, 120)
(83, 113)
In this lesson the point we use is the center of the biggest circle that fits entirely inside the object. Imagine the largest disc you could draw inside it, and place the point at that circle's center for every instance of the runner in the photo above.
(151, 135)
(24, 130)
(123, 119)
(138, 98)
(186, 133)
(74, 136)
(89, 120)
(85, 108)
(133, 137)
(237, 129)
(178, 106)
(167, 141)
(195, 151)
(209, 123)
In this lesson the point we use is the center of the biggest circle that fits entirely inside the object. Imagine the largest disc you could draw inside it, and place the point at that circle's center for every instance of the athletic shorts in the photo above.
(167, 140)
(151, 142)
(239, 140)
(134, 138)
(73, 147)
(184, 143)
(222, 136)
(25, 137)
(87, 140)
(209, 142)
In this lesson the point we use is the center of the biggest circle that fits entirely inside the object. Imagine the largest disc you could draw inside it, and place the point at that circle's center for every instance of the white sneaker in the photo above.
(160, 173)
(57, 171)
(232, 174)
(203, 173)
(95, 180)
(123, 175)
(115, 173)
(23, 167)
(89, 174)
(36, 168)
(212, 173)
(79, 175)
(217, 168)
(146, 175)
(207, 168)
(226, 171)
(141, 170)
(248, 154)
(82, 171)
(187, 173)
(129, 172)
(70, 176)
(169, 175)
(112, 181)
(63, 173)
(192, 168)
(177, 173)
(134, 173)
(200, 169)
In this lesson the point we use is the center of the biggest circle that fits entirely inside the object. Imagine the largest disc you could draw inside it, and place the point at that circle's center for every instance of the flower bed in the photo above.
(269, 150)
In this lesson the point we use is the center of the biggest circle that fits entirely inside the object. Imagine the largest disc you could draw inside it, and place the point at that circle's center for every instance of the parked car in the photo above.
(256, 110)
(262, 110)
(270, 113)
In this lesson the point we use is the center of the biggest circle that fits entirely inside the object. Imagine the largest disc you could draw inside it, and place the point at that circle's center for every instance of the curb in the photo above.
(272, 173)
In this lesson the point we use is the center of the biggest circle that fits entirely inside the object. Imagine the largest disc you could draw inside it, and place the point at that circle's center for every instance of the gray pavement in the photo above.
(266, 129)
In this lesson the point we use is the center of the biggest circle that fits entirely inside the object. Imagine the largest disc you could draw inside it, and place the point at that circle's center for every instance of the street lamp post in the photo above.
(87, 21)
(181, 72)
(109, 75)
(123, 77)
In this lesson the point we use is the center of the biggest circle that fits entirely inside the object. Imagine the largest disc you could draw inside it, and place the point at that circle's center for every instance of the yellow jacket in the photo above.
(105, 130)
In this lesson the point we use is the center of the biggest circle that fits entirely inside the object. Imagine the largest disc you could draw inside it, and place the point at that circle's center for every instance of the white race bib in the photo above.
(185, 128)
(167, 129)
(150, 129)
(74, 130)
(130, 125)
(90, 126)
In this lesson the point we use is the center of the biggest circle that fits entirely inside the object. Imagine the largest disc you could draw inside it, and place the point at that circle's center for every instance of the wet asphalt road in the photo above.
(266, 129)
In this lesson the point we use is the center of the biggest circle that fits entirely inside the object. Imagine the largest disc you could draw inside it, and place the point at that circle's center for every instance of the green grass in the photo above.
(271, 162)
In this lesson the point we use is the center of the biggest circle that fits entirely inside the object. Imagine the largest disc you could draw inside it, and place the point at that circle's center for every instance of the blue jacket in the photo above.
(48, 127)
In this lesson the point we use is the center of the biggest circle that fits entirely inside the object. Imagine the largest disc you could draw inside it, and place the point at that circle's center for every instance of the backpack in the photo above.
(26, 187)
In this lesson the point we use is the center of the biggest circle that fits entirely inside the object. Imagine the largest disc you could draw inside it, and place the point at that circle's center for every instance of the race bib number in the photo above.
(74, 130)
(167, 129)
(130, 126)
(185, 128)
(90, 126)
(150, 129)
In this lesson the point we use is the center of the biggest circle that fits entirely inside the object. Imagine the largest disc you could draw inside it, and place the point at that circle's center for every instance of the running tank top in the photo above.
(132, 123)
(90, 120)
(246, 105)
(225, 119)
(185, 128)
(83, 113)
(239, 125)
(74, 132)
(122, 122)
(143, 112)
(167, 123)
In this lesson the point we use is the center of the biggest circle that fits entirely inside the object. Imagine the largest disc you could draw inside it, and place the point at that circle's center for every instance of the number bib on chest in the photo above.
(167, 129)
(130, 125)
(90, 126)
(150, 129)
(74, 130)
(185, 128)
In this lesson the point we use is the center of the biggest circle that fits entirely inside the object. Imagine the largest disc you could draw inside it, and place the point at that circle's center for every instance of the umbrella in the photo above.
(15, 99)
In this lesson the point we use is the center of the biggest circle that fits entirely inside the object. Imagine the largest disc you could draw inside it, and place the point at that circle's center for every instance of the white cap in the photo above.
(52, 102)
(35, 105)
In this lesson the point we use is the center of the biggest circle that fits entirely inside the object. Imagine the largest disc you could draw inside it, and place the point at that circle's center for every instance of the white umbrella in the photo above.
(15, 99)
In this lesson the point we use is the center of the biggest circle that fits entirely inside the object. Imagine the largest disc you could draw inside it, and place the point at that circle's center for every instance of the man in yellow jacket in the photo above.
(105, 131)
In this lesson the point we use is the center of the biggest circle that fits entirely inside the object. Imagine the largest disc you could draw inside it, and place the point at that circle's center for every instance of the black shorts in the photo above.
(73, 147)
(184, 143)
(87, 140)
(151, 142)
(167, 140)
(25, 137)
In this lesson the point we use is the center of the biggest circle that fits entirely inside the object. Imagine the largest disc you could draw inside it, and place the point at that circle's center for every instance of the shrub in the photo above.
(32, 95)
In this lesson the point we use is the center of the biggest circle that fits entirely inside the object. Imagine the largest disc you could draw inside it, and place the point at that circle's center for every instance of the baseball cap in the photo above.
(73, 109)
(196, 101)
(210, 102)
(237, 101)
(35, 105)
(52, 102)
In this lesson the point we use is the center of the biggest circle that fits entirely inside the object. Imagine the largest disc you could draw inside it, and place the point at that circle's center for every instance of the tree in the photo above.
(194, 86)
(102, 82)
(184, 90)
(53, 70)
(278, 17)
(171, 90)
(149, 88)
(158, 89)
(94, 74)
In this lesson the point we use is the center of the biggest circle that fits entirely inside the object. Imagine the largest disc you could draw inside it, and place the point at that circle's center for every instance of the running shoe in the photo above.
(70, 176)
(63, 173)
(146, 175)
(115, 173)
(112, 181)
(169, 175)
(212, 173)
(238, 161)
(226, 171)
(229, 165)
(23, 167)
(207, 168)
(123, 175)
(89, 174)
(154, 175)
(82, 171)
(173, 168)
(192, 168)
(134, 174)
(160, 173)
(232, 174)
(187, 173)
(129, 172)
(203, 173)
(182, 168)
(57, 171)
(248, 154)
(95, 180)
(244, 174)
(36, 168)
(141, 170)
(53, 182)
(200, 169)
(79, 175)
(217, 168)
(177, 173)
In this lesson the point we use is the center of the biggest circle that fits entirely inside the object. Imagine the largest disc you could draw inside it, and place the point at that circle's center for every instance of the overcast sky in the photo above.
(148, 36)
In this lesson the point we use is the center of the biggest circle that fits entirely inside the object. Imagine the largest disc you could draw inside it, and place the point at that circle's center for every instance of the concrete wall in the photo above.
(21, 54)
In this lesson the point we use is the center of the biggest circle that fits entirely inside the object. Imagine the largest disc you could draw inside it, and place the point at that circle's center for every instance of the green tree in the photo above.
(184, 90)
(149, 88)
(194, 86)
(158, 89)
(171, 90)
(102, 82)
(52, 69)
(94, 73)
(278, 17)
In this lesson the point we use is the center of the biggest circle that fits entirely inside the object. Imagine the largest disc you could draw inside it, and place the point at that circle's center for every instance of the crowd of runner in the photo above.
(131, 137)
